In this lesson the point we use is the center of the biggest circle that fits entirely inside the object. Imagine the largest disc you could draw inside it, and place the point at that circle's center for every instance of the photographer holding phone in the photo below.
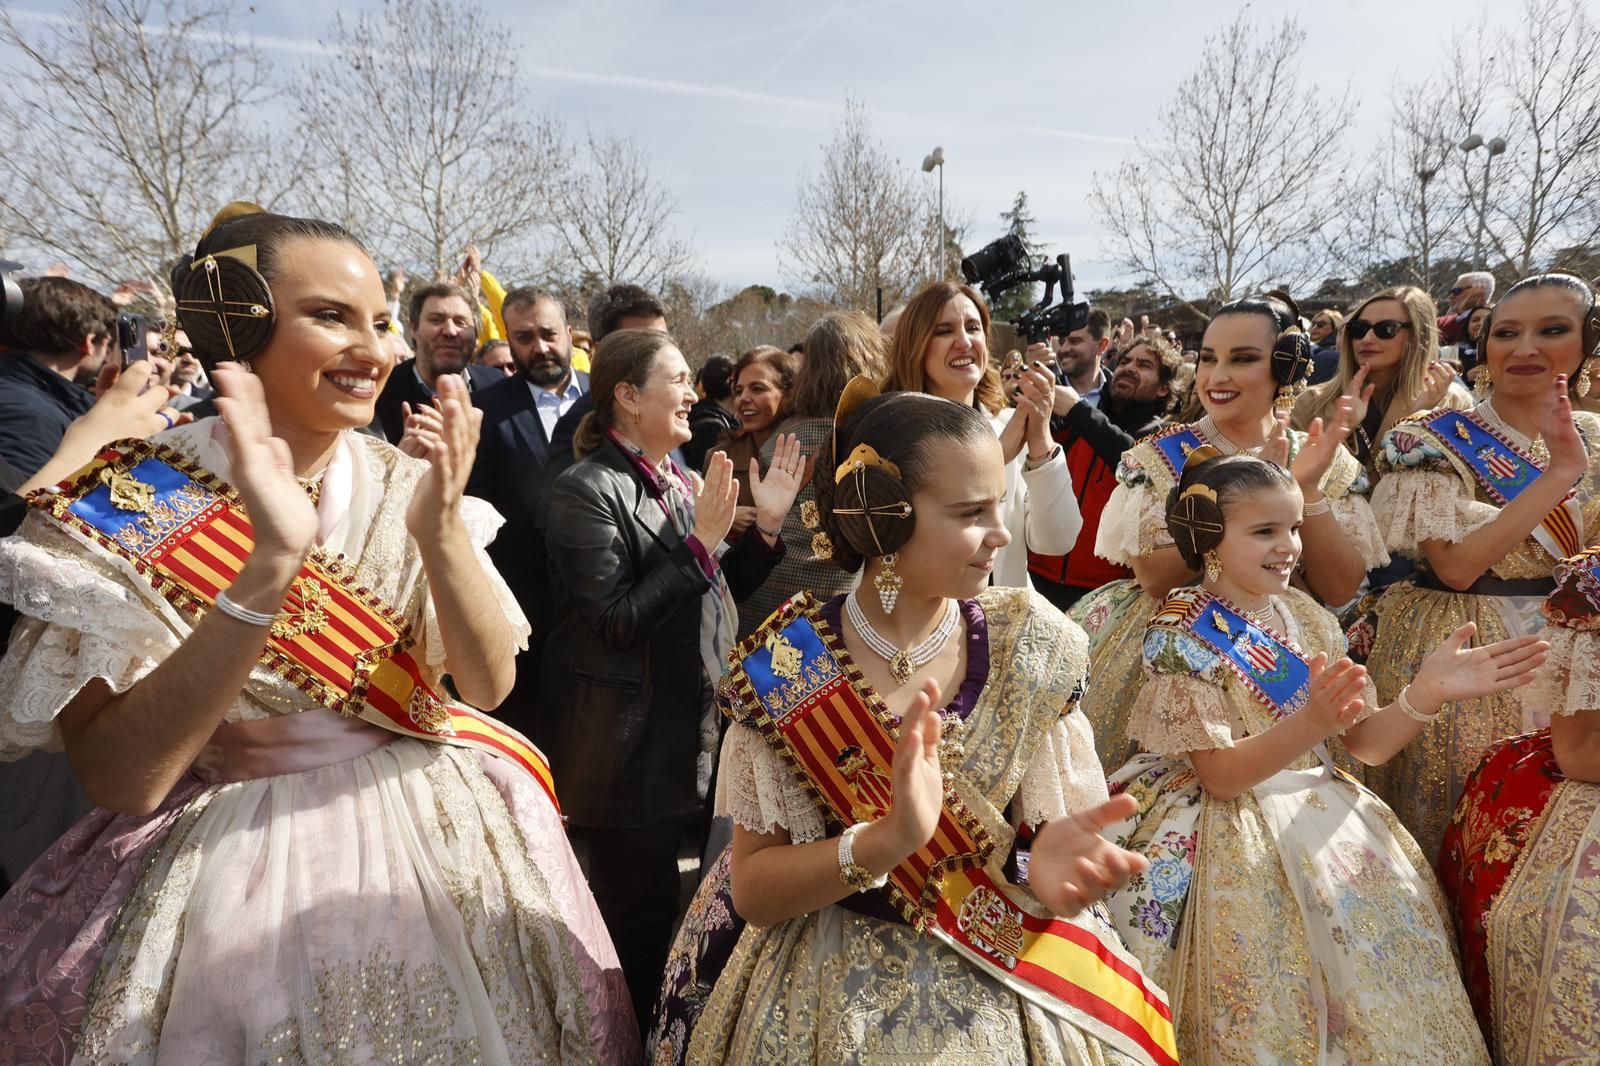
(55, 347)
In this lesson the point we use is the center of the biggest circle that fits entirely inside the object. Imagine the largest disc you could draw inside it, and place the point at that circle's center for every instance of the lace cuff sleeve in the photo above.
(759, 792)
(1356, 521)
(1569, 681)
(482, 522)
(1412, 506)
(1183, 705)
(1065, 775)
(1133, 523)
(79, 623)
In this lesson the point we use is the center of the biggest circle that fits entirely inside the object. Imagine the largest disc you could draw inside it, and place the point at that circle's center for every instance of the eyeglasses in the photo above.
(1457, 291)
(1322, 322)
(1386, 330)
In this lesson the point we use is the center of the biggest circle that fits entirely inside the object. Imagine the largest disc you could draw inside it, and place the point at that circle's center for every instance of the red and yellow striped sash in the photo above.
(185, 533)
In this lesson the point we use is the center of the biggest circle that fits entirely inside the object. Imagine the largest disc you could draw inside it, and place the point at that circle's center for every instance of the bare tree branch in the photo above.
(133, 122)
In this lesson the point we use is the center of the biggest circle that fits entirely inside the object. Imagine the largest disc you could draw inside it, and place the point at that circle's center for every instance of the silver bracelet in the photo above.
(242, 614)
(1411, 712)
(775, 534)
(1322, 506)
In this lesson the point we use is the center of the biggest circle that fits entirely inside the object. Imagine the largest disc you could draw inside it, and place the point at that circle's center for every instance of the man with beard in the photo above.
(1094, 437)
(519, 415)
(58, 343)
(444, 331)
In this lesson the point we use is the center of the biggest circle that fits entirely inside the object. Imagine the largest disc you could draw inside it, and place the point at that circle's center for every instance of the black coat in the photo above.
(623, 685)
(403, 386)
(509, 473)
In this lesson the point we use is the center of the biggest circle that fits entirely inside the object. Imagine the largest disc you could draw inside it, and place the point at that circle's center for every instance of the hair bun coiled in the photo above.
(224, 306)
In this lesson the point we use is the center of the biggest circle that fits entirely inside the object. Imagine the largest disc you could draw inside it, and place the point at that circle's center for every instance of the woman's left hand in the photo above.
(450, 455)
(1037, 395)
(1072, 865)
(1321, 447)
(1455, 672)
(774, 494)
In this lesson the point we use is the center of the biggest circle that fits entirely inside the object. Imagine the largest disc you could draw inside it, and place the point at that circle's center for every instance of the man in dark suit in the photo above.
(444, 330)
(519, 415)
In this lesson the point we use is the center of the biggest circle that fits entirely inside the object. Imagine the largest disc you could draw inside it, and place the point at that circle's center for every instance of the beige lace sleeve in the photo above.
(1360, 528)
(1175, 714)
(79, 623)
(1133, 524)
(759, 792)
(1412, 506)
(1065, 775)
(1569, 681)
(482, 522)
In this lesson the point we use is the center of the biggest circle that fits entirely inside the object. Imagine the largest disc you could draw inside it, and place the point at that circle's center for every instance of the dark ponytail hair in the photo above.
(625, 357)
(1291, 345)
(906, 429)
(1197, 523)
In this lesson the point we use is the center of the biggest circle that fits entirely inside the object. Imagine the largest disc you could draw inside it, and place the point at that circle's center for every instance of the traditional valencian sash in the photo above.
(792, 680)
(1174, 445)
(1273, 671)
(182, 532)
(1504, 470)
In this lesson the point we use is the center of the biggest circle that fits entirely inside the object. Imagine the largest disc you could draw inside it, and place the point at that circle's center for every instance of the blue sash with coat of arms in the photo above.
(1273, 671)
(1174, 445)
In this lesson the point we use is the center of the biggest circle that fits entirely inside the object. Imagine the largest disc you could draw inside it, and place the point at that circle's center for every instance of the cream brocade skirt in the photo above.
(835, 988)
(415, 904)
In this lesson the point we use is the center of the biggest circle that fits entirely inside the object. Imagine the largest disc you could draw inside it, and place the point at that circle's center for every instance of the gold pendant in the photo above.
(900, 667)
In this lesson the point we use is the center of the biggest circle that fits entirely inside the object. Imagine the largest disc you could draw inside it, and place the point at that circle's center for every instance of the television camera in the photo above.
(1003, 264)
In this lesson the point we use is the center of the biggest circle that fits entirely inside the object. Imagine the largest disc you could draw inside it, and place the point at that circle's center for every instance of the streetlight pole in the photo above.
(1495, 147)
(935, 160)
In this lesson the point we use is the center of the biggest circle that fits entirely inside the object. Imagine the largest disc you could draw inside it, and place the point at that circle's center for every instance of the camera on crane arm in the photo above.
(1002, 265)
(10, 302)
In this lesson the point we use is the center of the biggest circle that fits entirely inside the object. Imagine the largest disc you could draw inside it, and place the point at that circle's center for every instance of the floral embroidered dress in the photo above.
(1521, 859)
(317, 889)
(1134, 525)
(852, 983)
(1297, 923)
(1429, 492)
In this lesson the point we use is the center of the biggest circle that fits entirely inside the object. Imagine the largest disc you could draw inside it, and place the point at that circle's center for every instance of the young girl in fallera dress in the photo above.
(1286, 912)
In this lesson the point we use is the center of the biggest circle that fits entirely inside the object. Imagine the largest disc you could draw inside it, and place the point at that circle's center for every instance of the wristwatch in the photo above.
(851, 872)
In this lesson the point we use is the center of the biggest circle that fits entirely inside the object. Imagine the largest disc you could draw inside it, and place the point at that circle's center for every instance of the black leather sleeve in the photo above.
(591, 561)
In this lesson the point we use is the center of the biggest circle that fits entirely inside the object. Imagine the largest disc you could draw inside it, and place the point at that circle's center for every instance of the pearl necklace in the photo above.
(902, 663)
(1215, 437)
(1534, 447)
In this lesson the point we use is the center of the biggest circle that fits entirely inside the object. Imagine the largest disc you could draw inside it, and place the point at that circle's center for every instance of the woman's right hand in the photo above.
(1568, 456)
(918, 783)
(715, 502)
(282, 519)
(1359, 393)
(1335, 701)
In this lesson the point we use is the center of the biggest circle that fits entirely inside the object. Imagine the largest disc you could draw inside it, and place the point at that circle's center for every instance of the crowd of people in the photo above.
(377, 651)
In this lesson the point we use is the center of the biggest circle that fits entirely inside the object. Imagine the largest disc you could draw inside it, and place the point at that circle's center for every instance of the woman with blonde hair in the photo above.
(1389, 366)
(941, 347)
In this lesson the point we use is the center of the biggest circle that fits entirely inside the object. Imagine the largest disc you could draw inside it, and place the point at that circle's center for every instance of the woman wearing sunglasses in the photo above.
(1486, 502)
(1388, 367)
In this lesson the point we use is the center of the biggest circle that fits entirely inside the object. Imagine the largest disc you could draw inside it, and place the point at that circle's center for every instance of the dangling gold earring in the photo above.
(1285, 398)
(1584, 384)
(1481, 385)
(888, 583)
(636, 418)
(1213, 568)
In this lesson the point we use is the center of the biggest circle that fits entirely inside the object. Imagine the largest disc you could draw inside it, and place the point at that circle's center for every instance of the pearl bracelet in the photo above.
(1411, 712)
(1322, 506)
(242, 614)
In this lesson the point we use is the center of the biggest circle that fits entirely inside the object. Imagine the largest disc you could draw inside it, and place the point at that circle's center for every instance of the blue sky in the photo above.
(734, 101)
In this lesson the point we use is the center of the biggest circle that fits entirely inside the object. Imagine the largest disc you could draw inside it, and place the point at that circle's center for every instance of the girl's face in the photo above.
(1260, 544)
(1234, 373)
(960, 527)
(757, 397)
(1536, 334)
(328, 357)
(1382, 358)
(958, 353)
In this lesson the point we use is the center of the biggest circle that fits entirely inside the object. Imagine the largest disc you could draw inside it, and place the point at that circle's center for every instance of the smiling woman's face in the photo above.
(328, 356)
(1233, 376)
(1537, 334)
(958, 353)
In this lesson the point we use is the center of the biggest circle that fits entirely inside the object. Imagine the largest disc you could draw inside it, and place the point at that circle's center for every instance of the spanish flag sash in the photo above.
(183, 532)
(1504, 471)
(1273, 671)
(793, 681)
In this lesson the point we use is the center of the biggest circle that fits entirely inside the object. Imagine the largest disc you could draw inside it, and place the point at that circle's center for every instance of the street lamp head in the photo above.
(1497, 146)
(933, 159)
(1471, 143)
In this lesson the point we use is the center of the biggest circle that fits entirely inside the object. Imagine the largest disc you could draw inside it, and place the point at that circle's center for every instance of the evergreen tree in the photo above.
(1019, 299)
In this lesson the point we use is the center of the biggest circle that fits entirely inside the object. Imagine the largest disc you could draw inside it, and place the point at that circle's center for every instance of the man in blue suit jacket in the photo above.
(519, 415)
(444, 328)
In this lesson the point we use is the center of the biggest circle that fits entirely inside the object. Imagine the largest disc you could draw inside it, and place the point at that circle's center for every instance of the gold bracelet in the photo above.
(1411, 712)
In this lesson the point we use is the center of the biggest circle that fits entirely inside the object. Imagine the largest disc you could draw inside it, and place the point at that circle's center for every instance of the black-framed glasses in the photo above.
(1386, 330)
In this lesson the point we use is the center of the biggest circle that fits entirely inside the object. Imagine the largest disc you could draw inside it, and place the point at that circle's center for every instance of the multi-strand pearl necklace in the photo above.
(903, 663)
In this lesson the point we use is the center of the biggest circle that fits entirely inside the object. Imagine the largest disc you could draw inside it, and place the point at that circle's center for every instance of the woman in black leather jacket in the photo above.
(645, 618)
